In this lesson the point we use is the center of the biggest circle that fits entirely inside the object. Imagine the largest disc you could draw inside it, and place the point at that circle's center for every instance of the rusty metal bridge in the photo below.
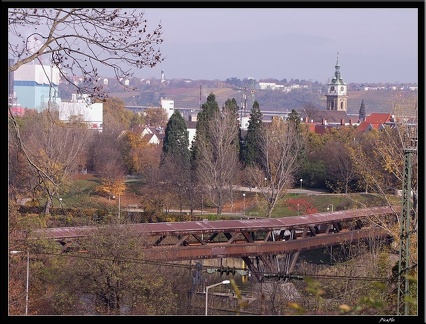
(265, 245)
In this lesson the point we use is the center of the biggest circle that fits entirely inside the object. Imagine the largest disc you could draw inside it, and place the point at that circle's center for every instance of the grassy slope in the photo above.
(84, 194)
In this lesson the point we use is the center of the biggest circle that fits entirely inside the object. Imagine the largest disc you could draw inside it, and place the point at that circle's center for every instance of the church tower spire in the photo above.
(337, 91)
(337, 66)
(362, 112)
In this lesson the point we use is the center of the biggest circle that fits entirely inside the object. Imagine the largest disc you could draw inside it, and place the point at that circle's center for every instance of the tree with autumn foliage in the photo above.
(53, 151)
(313, 166)
(378, 159)
(156, 117)
(111, 185)
(387, 162)
(339, 169)
(131, 143)
(107, 274)
(116, 116)
(76, 41)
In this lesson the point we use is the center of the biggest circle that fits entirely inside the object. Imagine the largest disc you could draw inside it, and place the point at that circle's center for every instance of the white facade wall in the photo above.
(266, 85)
(32, 85)
(245, 122)
(38, 73)
(169, 106)
(92, 114)
(191, 135)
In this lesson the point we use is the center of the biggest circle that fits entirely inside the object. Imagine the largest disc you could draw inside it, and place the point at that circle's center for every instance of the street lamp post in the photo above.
(267, 188)
(119, 206)
(60, 202)
(244, 210)
(331, 247)
(225, 282)
(28, 279)
(119, 203)
(28, 283)
(301, 181)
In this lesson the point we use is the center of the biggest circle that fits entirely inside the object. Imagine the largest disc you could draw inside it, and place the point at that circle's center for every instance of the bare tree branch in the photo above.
(79, 41)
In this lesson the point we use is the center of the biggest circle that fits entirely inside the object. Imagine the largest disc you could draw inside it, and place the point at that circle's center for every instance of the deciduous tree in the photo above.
(340, 172)
(115, 115)
(111, 277)
(78, 42)
(156, 117)
(217, 152)
(55, 150)
(131, 144)
(281, 144)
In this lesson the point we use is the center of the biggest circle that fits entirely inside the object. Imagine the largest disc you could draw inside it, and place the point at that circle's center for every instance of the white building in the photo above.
(35, 85)
(191, 127)
(80, 108)
(245, 122)
(169, 106)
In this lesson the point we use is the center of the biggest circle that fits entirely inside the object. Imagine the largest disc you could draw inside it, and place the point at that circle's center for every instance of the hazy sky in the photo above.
(374, 45)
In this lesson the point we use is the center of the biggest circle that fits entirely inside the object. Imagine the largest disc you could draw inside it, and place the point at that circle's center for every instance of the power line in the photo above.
(83, 255)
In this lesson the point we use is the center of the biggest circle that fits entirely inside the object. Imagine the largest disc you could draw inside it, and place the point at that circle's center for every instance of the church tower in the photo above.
(337, 91)
(362, 112)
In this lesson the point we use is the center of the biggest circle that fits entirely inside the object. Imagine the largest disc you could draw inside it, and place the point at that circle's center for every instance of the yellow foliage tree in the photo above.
(112, 186)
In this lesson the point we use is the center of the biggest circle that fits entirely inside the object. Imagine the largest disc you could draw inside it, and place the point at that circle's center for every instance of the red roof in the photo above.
(378, 118)
(320, 129)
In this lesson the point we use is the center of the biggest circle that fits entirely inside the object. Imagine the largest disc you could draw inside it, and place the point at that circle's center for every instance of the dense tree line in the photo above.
(273, 155)
(106, 273)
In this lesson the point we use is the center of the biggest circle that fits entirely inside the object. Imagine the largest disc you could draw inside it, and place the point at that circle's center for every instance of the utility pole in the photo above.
(404, 249)
(119, 206)
(245, 103)
(200, 94)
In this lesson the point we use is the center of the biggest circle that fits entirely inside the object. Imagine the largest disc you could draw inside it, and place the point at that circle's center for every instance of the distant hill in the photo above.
(381, 101)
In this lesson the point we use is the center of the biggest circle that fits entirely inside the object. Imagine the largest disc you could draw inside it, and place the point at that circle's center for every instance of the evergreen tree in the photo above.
(176, 139)
(176, 161)
(232, 106)
(294, 116)
(250, 148)
(208, 110)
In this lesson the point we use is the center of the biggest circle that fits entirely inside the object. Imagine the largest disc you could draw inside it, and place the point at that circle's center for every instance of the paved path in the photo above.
(293, 190)
(240, 215)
